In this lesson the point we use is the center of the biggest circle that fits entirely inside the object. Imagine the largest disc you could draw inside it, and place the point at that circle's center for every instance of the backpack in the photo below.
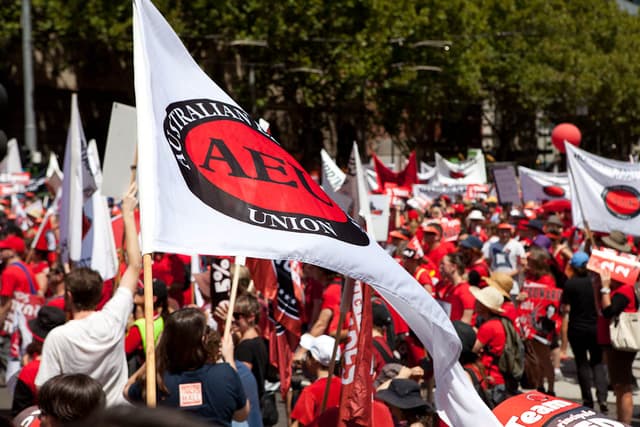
(511, 362)
(479, 381)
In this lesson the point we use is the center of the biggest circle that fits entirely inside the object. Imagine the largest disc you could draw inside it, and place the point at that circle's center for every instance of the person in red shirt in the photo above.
(316, 366)
(16, 276)
(455, 292)
(491, 337)
(412, 258)
(382, 352)
(435, 249)
(476, 265)
(504, 283)
(327, 322)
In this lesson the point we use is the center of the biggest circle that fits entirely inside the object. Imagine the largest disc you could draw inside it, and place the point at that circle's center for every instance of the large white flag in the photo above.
(604, 192)
(470, 171)
(539, 185)
(77, 186)
(98, 245)
(212, 181)
(426, 172)
(11, 162)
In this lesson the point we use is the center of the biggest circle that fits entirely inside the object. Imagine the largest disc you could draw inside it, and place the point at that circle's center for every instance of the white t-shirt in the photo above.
(93, 346)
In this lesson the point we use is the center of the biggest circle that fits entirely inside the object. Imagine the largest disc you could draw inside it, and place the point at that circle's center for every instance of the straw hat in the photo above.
(617, 240)
(501, 281)
(490, 297)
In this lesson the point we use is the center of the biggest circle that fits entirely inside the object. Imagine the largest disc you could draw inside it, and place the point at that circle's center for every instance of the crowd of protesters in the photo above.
(510, 279)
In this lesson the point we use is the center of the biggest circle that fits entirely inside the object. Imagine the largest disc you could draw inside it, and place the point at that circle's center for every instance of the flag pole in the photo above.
(584, 219)
(149, 335)
(234, 291)
(345, 306)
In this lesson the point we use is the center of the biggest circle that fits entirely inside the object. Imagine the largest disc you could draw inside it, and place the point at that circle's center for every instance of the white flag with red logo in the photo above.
(605, 192)
(332, 180)
(470, 171)
(212, 181)
(540, 186)
(78, 185)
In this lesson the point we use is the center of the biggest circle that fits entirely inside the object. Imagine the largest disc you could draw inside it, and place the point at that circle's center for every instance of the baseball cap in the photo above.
(13, 242)
(320, 347)
(471, 242)
(579, 259)
(505, 226)
(48, 318)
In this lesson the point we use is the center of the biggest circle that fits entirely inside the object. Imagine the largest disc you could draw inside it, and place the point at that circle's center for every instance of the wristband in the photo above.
(605, 291)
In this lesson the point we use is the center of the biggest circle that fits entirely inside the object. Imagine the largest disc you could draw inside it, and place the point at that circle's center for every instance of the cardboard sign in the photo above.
(538, 315)
(506, 185)
(433, 191)
(120, 151)
(534, 409)
(624, 268)
(379, 204)
(450, 229)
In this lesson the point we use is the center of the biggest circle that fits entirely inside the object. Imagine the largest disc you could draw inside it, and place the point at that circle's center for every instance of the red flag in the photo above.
(287, 308)
(264, 276)
(282, 344)
(357, 377)
(405, 178)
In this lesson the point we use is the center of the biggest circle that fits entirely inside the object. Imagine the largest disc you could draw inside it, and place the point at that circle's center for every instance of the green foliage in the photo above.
(366, 63)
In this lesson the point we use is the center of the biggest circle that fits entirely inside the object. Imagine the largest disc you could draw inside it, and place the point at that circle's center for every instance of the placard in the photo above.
(506, 185)
(379, 204)
(624, 268)
(120, 151)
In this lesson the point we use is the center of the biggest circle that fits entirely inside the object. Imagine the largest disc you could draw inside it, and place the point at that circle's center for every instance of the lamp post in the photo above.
(30, 136)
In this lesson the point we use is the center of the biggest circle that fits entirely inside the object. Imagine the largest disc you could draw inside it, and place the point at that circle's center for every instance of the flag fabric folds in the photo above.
(355, 188)
(470, 171)
(11, 162)
(212, 181)
(605, 192)
(98, 245)
(78, 185)
(404, 178)
(357, 377)
(540, 186)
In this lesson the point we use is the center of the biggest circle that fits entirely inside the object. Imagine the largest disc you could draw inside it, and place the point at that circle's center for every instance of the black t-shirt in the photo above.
(578, 293)
(254, 351)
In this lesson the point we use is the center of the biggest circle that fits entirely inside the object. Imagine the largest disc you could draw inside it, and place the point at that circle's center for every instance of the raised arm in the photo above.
(134, 258)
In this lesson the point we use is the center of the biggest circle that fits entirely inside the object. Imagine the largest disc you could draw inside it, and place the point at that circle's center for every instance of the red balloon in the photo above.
(565, 132)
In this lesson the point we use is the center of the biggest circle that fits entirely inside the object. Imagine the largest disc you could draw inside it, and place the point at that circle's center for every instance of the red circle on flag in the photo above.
(553, 191)
(622, 201)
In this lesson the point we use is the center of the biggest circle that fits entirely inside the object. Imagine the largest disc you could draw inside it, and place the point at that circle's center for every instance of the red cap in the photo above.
(430, 229)
(413, 214)
(13, 242)
(522, 225)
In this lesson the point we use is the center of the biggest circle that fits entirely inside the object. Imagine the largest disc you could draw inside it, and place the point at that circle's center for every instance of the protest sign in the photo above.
(506, 185)
(120, 151)
(469, 171)
(540, 186)
(477, 191)
(534, 409)
(538, 314)
(624, 268)
(450, 229)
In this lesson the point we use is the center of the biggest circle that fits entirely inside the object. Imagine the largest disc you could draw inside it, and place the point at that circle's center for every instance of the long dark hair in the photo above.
(182, 345)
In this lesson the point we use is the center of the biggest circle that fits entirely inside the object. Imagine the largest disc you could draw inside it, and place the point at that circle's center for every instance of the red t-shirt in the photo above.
(312, 292)
(28, 375)
(331, 300)
(460, 298)
(307, 407)
(546, 280)
(423, 276)
(39, 267)
(380, 416)
(493, 338)
(602, 326)
(14, 279)
(378, 357)
(57, 302)
(482, 268)
(510, 311)
(443, 248)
